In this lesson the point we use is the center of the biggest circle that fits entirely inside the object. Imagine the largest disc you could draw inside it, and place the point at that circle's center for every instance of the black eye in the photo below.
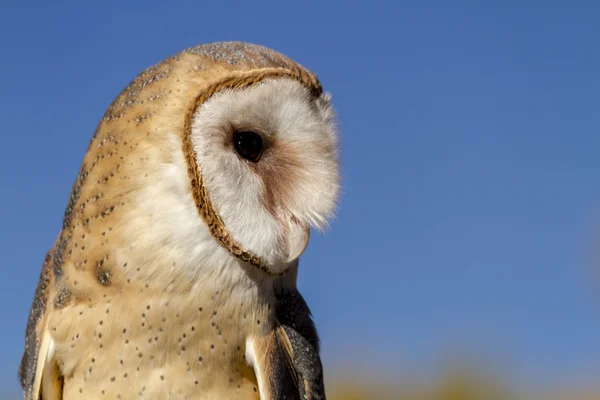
(248, 145)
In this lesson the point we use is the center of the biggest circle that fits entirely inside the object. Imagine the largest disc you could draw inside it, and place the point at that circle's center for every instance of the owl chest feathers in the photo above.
(153, 341)
(156, 308)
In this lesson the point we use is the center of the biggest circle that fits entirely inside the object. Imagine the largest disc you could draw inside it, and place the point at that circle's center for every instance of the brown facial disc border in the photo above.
(209, 215)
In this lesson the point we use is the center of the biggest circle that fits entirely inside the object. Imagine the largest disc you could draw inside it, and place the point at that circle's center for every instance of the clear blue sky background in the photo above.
(471, 206)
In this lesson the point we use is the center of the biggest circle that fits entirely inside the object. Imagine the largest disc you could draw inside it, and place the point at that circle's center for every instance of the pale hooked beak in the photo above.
(297, 235)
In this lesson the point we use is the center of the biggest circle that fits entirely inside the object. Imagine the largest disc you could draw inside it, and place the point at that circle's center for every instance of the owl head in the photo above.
(220, 156)
(268, 159)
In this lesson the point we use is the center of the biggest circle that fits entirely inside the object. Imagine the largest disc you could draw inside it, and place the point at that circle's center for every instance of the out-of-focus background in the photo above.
(462, 263)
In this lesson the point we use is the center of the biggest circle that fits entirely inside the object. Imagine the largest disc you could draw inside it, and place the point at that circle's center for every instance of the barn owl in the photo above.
(174, 274)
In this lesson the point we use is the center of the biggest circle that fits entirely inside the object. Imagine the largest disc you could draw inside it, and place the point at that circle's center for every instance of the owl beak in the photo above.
(297, 239)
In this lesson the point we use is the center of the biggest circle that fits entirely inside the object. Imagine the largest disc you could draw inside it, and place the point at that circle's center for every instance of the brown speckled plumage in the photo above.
(116, 332)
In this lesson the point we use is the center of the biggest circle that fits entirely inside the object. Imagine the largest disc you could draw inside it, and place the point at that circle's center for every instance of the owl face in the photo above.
(268, 159)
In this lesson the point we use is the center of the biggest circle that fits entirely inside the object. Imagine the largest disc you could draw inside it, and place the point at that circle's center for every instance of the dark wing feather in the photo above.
(295, 319)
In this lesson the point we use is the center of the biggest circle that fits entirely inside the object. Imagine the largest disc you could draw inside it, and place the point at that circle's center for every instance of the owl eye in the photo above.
(248, 145)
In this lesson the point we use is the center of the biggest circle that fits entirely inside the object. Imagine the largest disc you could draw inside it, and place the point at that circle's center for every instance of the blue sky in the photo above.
(470, 215)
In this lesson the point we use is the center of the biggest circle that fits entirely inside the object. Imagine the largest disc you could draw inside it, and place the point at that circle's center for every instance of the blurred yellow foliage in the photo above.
(452, 386)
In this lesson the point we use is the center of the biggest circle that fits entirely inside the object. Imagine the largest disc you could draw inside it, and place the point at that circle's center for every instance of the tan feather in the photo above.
(41, 364)
(51, 381)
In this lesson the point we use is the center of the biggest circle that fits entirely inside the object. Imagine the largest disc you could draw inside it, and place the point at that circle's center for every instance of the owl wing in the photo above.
(38, 371)
(287, 361)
